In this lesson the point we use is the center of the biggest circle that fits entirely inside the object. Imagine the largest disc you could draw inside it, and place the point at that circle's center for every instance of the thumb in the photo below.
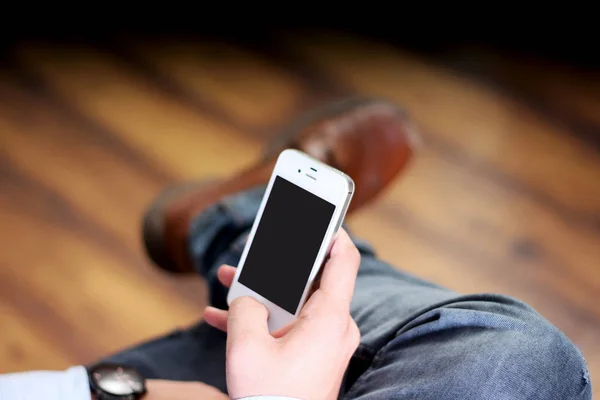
(247, 319)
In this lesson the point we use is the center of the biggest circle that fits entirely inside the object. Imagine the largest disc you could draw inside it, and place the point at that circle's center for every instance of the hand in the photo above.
(306, 359)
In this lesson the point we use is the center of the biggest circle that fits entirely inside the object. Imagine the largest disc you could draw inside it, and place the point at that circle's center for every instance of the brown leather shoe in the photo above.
(370, 140)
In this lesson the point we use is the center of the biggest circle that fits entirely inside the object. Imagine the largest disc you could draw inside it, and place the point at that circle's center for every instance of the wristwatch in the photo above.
(110, 381)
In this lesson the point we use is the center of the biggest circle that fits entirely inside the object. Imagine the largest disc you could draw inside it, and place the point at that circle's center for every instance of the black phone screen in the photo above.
(286, 243)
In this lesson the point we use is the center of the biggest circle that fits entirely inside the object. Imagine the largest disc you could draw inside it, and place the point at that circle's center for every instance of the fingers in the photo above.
(213, 316)
(339, 273)
(247, 319)
(216, 318)
(226, 273)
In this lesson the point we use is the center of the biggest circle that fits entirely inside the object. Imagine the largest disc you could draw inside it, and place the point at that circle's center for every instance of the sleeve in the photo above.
(71, 384)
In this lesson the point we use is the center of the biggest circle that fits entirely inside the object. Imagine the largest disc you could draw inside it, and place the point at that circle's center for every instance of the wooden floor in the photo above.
(503, 197)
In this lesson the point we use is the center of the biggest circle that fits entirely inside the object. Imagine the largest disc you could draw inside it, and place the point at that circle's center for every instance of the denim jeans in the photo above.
(418, 340)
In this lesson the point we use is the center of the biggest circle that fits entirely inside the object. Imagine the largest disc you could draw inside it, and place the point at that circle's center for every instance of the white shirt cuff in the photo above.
(71, 384)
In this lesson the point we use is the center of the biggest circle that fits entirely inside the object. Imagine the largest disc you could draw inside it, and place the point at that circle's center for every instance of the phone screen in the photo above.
(286, 243)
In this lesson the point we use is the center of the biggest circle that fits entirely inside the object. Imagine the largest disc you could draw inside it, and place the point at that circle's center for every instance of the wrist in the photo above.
(158, 389)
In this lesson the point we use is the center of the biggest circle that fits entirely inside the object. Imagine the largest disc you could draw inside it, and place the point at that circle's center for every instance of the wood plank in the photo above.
(21, 348)
(103, 188)
(565, 95)
(561, 87)
(490, 217)
(70, 215)
(111, 190)
(165, 130)
(252, 90)
(485, 130)
(491, 231)
(56, 263)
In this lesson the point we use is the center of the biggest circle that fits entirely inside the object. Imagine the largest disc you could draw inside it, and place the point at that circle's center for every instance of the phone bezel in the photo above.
(321, 180)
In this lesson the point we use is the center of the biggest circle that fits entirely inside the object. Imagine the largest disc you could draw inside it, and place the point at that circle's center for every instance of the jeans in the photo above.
(418, 340)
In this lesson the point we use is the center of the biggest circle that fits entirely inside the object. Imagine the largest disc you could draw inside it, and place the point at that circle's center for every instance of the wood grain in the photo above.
(249, 89)
(142, 116)
(503, 196)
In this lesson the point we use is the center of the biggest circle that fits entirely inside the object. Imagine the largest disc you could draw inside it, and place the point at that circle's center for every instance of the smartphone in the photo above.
(302, 209)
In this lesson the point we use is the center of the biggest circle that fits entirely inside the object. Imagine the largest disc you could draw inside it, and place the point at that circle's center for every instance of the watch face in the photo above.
(118, 380)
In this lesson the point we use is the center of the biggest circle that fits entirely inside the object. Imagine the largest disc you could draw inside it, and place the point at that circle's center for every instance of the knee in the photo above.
(526, 356)
(540, 362)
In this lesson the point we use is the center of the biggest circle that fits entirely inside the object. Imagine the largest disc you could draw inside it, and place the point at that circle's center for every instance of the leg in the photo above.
(421, 341)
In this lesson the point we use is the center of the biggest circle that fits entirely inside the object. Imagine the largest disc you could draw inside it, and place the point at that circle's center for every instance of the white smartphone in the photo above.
(302, 209)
